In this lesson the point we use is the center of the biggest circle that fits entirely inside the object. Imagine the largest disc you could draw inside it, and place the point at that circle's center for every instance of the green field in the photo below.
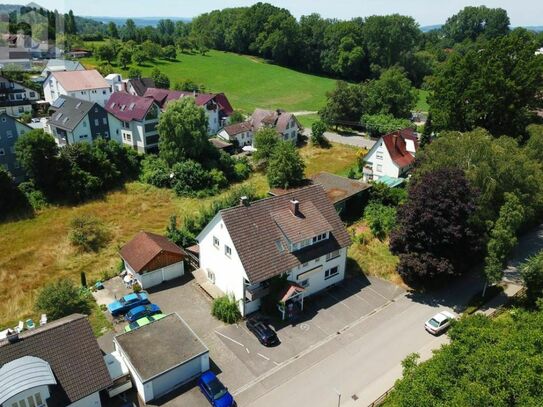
(422, 102)
(248, 82)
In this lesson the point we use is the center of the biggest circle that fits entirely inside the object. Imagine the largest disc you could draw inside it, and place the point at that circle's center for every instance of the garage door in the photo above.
(173, 271)
(177, 377)
(151, 279)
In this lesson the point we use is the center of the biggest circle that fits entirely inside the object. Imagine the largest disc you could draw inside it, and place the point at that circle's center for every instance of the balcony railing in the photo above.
(254, 293)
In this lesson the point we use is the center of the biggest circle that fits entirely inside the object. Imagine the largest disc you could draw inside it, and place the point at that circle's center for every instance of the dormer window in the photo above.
(320, 237)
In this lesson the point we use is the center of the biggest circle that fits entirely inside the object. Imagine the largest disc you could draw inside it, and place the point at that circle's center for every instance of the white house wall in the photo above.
(43, 390)
(52, 89)
(92, 400)
(384, 166)
(229, 272)
(155, 277)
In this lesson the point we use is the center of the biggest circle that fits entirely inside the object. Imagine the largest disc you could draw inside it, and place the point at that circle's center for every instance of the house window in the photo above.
(334, 271)
(84, 124)
(96, 122)
(320, 237)
(211, 276)
(379, 168)
(379, 156)
(227, 250)
(304, 283)
(2, 152)
(333, 255)
(104, 120)
(21, 109)
(32, 94)
(216, 242)
(19, 96)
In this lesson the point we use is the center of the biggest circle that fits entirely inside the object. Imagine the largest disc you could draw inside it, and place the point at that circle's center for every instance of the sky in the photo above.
(426, 12)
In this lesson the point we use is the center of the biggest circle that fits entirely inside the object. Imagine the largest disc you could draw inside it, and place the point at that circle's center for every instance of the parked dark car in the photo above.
(142, 311)
(125, 304)
(214, 390)
(263, 331)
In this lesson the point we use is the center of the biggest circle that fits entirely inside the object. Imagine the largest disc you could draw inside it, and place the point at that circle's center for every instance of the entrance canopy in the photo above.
(291, 292)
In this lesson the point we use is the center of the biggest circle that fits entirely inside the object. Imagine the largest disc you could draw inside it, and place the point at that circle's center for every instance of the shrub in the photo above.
(136, 287)
(156, 172)
(317, 134)
(380, 218)
(226, 309)
(242, 169)
(63, 298)
(532, 275)
(88, 234)
(191, 177)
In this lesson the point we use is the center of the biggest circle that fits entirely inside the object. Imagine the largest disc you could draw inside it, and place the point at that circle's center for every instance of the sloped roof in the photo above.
(141, 85)
(70, 348)
(275, 118)
(80, 80)
(395, 143)
(127, 107)
(55, 65)
(237, 128)
(69, 111)
(262, 245)
(146, 247)
(163, 96)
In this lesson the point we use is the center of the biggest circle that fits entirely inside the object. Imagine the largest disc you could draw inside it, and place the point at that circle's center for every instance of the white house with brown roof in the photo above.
(298, 235)
(241, 133)
(152, 259)
(393, 155)
(84, 85)
(285, 123)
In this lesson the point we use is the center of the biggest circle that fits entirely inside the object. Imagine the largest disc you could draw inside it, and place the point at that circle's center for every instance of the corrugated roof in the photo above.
(23, 374)
(70, 348)
(262, 245)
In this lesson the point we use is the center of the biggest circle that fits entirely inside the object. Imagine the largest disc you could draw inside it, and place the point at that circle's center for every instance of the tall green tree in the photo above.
(391, 94)
(125, 57)
(182, 130)
(112, 29)
(161, 80)
(471, 22)
(286, 167)
(344, 104)
(531, 272)
(495, 85)
(265, 142)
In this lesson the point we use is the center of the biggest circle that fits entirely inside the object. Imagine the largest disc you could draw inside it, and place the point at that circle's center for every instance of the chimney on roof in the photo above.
(278, 111)
(295, 207)
(244, 201)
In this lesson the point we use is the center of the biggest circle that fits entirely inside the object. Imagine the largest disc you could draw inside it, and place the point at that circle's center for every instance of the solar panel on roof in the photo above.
(59, 102)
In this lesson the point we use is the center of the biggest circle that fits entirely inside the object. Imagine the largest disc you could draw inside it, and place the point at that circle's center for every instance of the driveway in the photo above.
(324, 315)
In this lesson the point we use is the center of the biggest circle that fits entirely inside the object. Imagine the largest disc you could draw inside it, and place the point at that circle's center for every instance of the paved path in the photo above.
(364, 361)
(350, 140)
(304, 113)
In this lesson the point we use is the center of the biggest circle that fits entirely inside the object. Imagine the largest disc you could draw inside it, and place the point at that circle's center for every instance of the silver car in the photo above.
(439, 322)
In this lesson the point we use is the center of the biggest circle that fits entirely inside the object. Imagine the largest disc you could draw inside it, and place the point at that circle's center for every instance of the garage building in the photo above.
(152, 259)
(162, 356)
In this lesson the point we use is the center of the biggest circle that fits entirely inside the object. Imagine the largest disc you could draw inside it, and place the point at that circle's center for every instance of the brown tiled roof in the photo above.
(278, 119)
(147, 251)
(70, 348)
(262, 246)
(220, 144)
(80, 80)
(141, 85)
(305, 225)
(339, 188)
(127, 107)
(237, 128)
(396, 146)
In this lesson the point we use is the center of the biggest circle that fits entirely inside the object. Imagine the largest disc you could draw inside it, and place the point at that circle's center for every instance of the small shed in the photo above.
(162, 356)
(152, 259)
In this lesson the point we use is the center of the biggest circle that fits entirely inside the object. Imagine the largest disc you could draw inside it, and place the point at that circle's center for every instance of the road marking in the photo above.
(230, 339)
(379, 294)
(339, 301)
(276, 364)
(263, 357)
(247, 349)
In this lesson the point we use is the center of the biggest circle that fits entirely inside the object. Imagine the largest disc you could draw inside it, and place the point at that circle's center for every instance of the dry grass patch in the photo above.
(336, 159)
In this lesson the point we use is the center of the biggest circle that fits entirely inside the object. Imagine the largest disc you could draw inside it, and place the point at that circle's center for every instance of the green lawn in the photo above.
(422, 102)
(248, 82)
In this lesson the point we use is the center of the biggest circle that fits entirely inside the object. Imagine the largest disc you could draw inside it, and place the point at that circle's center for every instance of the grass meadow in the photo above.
(249, 82)
(36, 251)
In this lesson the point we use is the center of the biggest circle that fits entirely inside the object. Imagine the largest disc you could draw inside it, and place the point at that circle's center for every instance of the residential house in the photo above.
(152, 259)
(135, 121)
(84, 85)
(138, 86)
(10, 130)
(57, 364)
(78, 121)
(298, 235)
(216, 105)
(61, 65)
(116, 82)
(16, 99)
(286, 124)
(391, 156)
(238, 133)
(162, 356)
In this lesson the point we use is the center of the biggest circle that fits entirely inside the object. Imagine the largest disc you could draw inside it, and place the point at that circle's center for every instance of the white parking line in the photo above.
(263, 357)
(247, 349)
(379, 294)
(230, 339)
(339, 301)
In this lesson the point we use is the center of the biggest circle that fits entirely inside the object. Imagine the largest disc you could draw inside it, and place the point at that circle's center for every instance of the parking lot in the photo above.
(324, 315)
(236, 355)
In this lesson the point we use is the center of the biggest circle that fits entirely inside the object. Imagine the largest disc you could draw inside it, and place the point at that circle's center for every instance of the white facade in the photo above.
(115, 81)
(221, 262)
(152, 278)
(244, 138)
(141, 136)
(52, 89)
(39, 395)
(380, 162)
(16, 99)
(213, 123)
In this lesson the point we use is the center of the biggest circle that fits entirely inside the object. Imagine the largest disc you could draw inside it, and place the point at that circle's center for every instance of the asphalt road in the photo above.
(363, 361)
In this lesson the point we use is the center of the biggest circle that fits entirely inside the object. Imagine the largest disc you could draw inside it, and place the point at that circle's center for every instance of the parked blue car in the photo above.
(142, 311)
(214, 390)
(128, 302)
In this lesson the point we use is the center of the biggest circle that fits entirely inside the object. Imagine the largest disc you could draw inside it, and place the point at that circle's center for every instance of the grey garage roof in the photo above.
(23, 374)
(160, 346)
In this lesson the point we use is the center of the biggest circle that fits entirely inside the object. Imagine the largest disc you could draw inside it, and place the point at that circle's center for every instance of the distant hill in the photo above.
(139, 21)
(427, 28)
